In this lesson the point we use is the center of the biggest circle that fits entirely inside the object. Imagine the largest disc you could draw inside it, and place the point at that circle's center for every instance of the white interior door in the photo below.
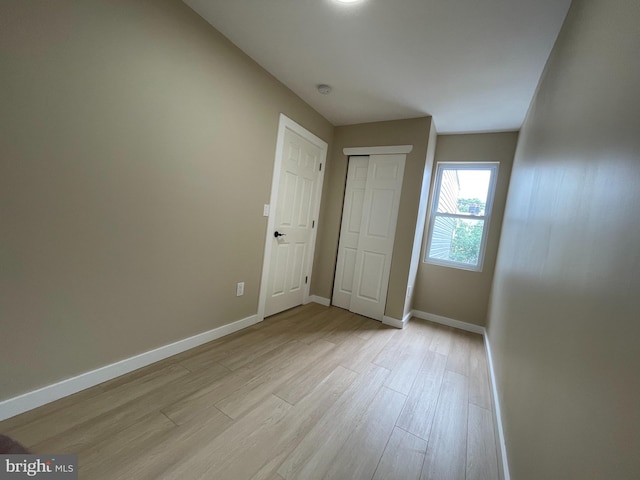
(293, 227)
(350, 230)
(368, 282)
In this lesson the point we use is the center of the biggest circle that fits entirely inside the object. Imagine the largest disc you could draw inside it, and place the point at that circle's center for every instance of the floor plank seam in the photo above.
(383, 450)
(185, 367)
(169, 418)
(408, 432)
(285, 401)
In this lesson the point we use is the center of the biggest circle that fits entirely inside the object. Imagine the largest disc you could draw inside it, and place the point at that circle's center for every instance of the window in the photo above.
(460, 214)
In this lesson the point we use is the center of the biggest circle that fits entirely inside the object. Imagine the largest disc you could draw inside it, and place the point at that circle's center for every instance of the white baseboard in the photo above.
(450, 322)
(28, 401)
(392, 322)
(321, 300)
(504, 464)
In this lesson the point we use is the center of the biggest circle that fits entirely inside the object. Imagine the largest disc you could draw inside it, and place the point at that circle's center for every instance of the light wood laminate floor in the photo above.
(312, 393)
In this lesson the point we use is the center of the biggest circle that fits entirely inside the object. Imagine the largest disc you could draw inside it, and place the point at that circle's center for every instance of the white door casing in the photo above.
(369, 281)
(295, 202)
(350, 230)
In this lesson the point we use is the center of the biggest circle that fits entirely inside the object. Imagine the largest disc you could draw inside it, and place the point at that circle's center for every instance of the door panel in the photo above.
(382, 205)
(350, 230)
(372, 267)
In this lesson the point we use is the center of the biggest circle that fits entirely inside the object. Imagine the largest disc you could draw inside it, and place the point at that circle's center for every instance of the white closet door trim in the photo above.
(389, 150)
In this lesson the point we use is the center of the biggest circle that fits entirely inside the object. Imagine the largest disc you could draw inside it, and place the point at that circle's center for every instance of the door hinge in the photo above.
(313, 224)
(306, 279)
(320, 167)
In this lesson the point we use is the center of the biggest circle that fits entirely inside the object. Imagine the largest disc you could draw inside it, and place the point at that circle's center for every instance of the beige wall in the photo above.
(136, 154)
(399, 132)
(416, 259)
(462, 294)
(564, 322)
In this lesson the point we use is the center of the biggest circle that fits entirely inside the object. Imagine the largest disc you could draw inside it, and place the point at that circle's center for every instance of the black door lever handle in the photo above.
(278, 234)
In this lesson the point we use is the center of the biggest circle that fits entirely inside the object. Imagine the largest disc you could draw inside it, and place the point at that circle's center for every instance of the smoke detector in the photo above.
(324, 89)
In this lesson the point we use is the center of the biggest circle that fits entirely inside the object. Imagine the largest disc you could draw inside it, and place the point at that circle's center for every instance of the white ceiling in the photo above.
(471, 64)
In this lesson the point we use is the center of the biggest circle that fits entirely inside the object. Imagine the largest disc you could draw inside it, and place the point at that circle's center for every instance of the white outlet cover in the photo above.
(265, 210)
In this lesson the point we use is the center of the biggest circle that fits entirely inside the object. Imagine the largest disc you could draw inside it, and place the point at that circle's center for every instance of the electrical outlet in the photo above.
(240, 289)
(265, 210)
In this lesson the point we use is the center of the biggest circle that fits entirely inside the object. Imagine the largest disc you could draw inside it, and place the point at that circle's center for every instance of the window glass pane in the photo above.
(456, 240)
(464, 191)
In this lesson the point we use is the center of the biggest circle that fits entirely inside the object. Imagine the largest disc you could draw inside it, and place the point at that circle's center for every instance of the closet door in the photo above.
(350, 230)
(368, 280)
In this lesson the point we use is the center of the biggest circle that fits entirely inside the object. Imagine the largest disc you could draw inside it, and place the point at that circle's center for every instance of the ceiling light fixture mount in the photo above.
(324, 89)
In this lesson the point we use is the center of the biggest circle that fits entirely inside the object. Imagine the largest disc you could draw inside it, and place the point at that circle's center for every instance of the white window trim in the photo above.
(488, 211)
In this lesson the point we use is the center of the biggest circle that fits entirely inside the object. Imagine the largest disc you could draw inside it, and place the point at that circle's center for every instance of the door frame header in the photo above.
(387, 150)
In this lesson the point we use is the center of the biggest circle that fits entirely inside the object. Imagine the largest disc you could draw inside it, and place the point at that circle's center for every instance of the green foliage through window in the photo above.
(465, 245)
(467, 236)
(472, 206)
